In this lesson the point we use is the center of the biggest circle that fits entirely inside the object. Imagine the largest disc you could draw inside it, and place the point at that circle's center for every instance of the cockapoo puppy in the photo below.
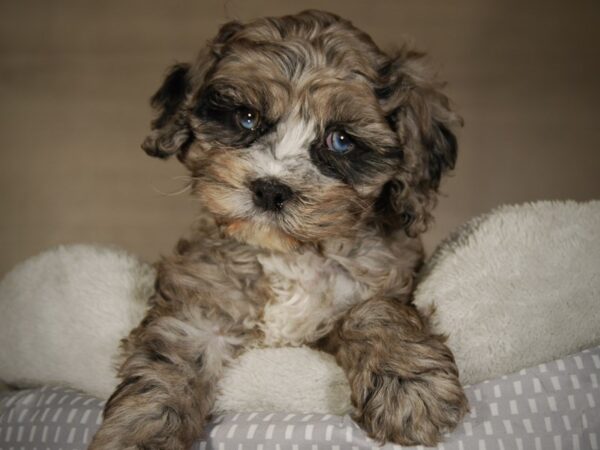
(316, 157)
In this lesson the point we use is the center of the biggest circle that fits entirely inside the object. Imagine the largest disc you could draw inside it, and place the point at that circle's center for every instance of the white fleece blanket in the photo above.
(517, 287)
(514, 288)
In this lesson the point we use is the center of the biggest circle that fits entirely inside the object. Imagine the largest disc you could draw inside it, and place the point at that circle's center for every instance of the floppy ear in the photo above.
(171, 133)
(420, 114)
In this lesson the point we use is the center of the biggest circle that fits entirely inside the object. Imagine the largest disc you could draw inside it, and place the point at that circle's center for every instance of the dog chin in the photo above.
(260, 234)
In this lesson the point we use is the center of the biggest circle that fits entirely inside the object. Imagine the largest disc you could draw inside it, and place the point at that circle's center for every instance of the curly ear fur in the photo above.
(171, 133)
(421, 116)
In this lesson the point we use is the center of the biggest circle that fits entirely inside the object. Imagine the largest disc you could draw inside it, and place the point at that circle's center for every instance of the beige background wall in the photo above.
(75, 78)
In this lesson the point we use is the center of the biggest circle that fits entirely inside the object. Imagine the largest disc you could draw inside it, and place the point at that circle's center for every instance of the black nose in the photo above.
(270, 194)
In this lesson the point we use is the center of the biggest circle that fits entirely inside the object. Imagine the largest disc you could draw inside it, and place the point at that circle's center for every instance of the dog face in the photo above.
(298, 129)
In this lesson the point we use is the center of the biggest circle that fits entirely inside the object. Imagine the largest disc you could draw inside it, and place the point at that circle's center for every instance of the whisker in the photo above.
(187, 187)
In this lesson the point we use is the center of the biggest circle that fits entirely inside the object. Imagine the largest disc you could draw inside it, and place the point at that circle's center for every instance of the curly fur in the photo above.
(331, 266)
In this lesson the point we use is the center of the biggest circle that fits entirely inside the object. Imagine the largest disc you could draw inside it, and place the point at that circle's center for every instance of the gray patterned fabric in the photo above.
(551, 406)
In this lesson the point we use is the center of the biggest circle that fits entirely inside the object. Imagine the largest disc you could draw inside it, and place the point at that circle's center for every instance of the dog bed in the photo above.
(513, 289)
(551, 406)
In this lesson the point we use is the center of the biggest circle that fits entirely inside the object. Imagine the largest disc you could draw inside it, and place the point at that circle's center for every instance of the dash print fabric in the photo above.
(551, 406)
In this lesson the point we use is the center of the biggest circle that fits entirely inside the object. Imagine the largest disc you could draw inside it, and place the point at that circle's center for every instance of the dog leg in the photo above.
(403, 378)
(172, 365)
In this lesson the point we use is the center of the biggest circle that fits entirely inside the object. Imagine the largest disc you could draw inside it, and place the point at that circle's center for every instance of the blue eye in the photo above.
(339, 142)
(247, 118)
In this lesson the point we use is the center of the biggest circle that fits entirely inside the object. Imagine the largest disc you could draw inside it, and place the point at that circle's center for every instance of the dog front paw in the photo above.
(105, 440)
(410, 411)
(403, 377)
(134, 429)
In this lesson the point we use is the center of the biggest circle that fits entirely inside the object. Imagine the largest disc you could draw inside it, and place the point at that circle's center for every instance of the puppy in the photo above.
(316, 158)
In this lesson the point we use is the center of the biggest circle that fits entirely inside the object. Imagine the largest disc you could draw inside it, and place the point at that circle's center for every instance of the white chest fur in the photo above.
(309, 293)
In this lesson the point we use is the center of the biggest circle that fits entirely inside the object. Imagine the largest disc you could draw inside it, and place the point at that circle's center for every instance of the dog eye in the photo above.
(339, 142)
(247, 118)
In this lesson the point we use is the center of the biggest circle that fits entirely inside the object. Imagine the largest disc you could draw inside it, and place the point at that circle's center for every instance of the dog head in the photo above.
(298, 129)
